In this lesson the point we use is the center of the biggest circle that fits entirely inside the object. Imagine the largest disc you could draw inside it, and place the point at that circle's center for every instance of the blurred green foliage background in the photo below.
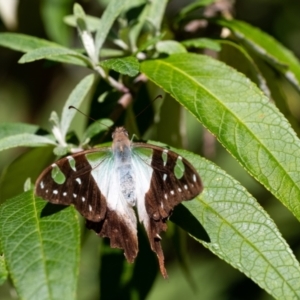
(29, 92)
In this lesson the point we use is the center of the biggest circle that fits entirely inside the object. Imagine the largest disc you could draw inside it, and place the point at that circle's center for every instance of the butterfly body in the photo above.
(104, 184)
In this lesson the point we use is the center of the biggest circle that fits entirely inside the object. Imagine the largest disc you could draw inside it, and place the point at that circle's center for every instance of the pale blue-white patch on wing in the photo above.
(141, 163)
(106, 173)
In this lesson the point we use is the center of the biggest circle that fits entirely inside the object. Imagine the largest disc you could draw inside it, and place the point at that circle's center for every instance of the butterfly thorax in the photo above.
(123, 166)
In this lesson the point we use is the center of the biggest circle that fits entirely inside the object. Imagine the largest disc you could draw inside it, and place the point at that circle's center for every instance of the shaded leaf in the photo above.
(268, 48)
(193, 6)
(150, 43)
(41, 247)
(125, 65)
(53, 13)
(202, 43)
(236, 56)
(25, 166)
(248, 125)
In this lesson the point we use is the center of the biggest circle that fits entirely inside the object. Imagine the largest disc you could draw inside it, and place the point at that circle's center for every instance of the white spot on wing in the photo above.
(54, 165)
(166, 150)
(78, 180)
(179, 157)
(172, 192)
(185, 187)
(90, 208)
(166, 196)
(42, 185)
(194, 178)
(74, 195)
(179, 190)
(55, 192)
(83, 199)
(64, 194)
(46, 191)
(165, 177)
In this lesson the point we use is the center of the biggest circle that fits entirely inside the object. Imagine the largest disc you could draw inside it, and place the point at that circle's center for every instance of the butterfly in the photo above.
(105, 184)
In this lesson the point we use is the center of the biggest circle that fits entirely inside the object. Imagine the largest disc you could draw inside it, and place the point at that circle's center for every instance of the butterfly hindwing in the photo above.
(69, 181)
(173, 180)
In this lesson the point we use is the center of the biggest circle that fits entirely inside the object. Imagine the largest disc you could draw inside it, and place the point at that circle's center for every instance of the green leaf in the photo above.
(76, 98)
(85, 35)
(25, 43)
(3, 270)
(49, 53)
(125, 65)
(24, 140)
(92, 23)
(170, 47)
(8, 129)
(193, 6)
(202, 43)
(25, 166)
(248, 125)
(95, 128)
(108, 18)
(268, 48)
(109, 52)
(53, 13)
(133, 33)
(240, 231)
(157, 12)
(41, 246)
(150, 43)
(237, 57)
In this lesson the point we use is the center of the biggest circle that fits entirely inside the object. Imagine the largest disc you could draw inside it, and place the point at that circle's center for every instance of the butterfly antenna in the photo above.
(71, 106)
(159, 96)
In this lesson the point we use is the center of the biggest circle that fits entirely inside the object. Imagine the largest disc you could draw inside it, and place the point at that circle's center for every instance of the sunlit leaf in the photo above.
(249, 126)
(240, 231)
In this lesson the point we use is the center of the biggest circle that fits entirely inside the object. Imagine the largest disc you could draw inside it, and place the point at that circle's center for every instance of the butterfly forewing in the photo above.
(173, 179)
(69, 181)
